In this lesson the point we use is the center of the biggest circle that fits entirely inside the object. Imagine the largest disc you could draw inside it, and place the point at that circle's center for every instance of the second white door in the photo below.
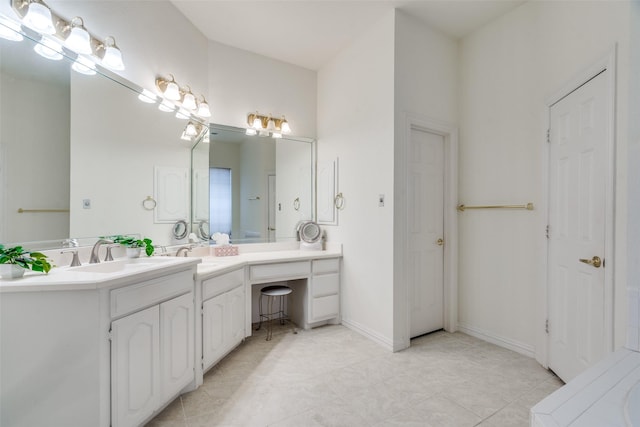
(425, 228)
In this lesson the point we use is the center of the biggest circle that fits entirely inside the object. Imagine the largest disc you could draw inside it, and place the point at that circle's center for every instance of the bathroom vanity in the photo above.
(112, 344)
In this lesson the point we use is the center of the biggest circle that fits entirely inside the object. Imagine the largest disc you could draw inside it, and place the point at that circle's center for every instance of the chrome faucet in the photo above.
(95, 259)
(183, 249)
(109, 256)
(75, 261)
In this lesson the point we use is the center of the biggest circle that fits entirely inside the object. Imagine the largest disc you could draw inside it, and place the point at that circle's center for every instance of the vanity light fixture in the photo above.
(263, 125)
(49, 49)
(38, 17)
(203, 109)
(84, 66)
(191, 130)
(112, 56)
(188, 100)
(169, 88)
(78, 39)
(10, 30)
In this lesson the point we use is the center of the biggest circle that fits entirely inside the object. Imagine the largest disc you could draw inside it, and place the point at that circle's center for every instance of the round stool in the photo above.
(272, 293)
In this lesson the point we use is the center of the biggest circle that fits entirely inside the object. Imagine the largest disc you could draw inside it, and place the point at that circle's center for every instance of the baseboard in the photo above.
(372, 335)
(509, 344)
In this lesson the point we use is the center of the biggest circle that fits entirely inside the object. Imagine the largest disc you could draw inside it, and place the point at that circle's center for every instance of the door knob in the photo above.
(595, 261)
(440, 242)
(271, 229)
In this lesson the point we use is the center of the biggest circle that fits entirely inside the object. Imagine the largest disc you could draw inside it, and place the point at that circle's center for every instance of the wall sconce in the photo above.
(262, 125)
(172, 91)
(36, 15)
(191, 131)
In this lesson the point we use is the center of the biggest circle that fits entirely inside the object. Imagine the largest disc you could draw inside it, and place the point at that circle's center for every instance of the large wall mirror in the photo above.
(80, 155)
(256, 189)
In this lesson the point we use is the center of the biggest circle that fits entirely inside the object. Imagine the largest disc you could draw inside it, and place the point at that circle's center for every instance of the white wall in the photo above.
(241, 82)
(355, 124)
(508, 70)
(426, 65)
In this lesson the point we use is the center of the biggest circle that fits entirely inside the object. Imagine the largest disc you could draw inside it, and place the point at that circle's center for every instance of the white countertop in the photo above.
(74, 278)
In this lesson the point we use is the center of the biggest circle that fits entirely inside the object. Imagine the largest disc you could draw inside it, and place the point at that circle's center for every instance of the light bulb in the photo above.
(79, 39)
(112, 58)
(257, 123)
(49, 49)
(203, 110)
(84, 66)
(284, 127)
(147, 96)
(172, 91)
(271, 126)
(189, 101)
(38, 18)
(10, 30)
(191, 129)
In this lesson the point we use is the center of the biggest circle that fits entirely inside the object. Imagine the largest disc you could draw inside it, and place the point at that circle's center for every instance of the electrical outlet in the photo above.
(381, 200)
(86, 204)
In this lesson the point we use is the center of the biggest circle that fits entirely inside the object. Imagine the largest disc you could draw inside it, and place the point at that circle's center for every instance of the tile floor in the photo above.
(332, 376)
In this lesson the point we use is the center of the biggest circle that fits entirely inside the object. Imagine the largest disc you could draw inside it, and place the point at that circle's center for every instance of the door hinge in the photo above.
(546, 326)
(547, 231)
(548, 136)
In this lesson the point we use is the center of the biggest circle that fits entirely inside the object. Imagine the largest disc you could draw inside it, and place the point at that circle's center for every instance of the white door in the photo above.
(214, 325)
(177, 340)
(578, 173)
(425, 193)
(135, 367)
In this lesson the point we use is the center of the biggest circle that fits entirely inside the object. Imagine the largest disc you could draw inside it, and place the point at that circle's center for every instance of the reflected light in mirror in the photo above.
(9, 30)
(38, 17)
(147, 96)
(250, 132)
(84, 66)
(166, 106)
(49, 49)
(182, 114)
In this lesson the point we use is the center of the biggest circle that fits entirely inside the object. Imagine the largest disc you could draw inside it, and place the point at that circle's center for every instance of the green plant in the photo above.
(35, 261)
(132, 242)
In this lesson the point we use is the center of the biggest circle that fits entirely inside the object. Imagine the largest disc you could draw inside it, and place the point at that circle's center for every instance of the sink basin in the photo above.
(118, 265)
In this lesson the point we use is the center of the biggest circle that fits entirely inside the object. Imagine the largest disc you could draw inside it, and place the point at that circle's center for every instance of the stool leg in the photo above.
(259, 313)
(281, 312)
(270, 311)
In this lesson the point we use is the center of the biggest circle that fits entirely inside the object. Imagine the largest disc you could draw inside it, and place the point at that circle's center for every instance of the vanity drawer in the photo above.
(327, 284)
(221, 284)
(283, 270)
(324, 308)
(321, 266)
(144, 294)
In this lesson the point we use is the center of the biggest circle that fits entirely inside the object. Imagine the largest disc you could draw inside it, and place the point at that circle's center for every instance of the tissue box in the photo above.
(227, 250)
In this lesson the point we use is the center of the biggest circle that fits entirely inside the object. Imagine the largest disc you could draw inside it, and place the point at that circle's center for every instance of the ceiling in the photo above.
(308, 33)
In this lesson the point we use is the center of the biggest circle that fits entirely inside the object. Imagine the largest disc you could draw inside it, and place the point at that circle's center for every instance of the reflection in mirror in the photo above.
(258, 188)
(81, 155)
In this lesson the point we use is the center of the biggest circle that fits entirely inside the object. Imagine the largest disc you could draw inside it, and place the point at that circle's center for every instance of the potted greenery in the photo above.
(134, 246)
(15, 261)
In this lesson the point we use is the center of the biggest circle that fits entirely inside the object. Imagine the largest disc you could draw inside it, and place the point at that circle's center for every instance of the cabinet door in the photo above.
(214, 324)
(236, 304)
(177, 343)
(135, 367)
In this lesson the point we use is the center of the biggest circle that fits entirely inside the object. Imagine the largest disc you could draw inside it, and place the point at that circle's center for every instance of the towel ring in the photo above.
(296, 203)
(339, 201)
(149, 203)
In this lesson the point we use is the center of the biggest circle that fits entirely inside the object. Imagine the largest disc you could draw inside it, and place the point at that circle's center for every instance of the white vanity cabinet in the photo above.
(152, 346)
(324, 292)
(223, 315)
